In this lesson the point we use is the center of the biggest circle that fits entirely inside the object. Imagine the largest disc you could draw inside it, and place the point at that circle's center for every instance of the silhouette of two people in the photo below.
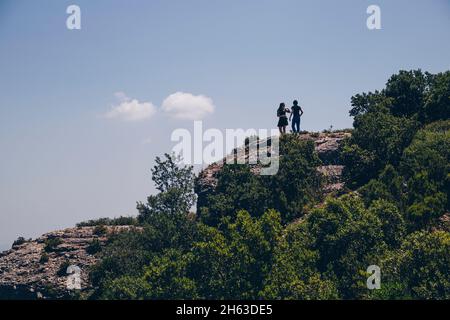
(295, 114)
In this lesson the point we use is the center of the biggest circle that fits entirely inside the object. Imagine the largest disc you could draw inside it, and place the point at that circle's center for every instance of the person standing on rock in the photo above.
(282, 118)
(297, 112)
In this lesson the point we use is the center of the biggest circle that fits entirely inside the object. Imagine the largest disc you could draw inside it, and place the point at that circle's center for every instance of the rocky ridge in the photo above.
(37, 268)
(326, 146)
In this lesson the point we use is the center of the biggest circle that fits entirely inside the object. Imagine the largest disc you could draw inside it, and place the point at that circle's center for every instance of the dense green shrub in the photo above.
(294, 273)
(62, 270)
(378, 140)
(120, 221)
(438, 101)
(296, 186)
(44, 258)
(419, 269)
(348, 238)
(94, 247)
(52, 244)
(100, 230)
(228, 262)
(386, 121)
(426, 167)
(19, 241)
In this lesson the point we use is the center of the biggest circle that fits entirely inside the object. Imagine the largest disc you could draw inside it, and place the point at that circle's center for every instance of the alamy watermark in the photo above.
(73, 21)
(252, 146)
(373, 22)
(73, 280)
(374, 280)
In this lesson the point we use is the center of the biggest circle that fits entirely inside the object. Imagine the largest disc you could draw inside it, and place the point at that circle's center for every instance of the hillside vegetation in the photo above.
(280, 237)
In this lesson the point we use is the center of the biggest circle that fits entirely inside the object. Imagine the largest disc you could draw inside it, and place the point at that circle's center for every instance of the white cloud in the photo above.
(130, 109)
(121, 96)
(181, 105)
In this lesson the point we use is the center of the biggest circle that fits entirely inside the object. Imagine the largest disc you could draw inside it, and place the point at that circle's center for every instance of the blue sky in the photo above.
(63, 161)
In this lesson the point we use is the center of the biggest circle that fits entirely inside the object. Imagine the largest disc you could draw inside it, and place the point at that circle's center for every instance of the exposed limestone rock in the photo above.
(27, 271)
(444, 222)
(326, 145)
(332, 175)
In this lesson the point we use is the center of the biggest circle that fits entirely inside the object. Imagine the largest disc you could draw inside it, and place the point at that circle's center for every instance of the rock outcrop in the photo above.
(326, 146)
(34, 269)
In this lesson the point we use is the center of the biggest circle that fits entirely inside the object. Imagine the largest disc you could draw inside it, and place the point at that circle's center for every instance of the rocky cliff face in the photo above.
(326, 146)
(37, 268)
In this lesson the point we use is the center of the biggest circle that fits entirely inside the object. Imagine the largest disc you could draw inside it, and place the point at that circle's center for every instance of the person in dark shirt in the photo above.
(282, 117)
(297, 112)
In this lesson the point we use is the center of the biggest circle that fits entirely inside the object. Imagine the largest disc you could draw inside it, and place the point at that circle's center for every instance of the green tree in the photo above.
(419, 269)
(348, 238)
(232, 261)
(378, 140)
(392, 223)
(437, 105)
(125, 288)
(237, 189)
(294, 273)
(387, 120)
(175, 184)
(165, 224)
(167, 276)
(297, 184)
(366, 102)
(389, 185)
(408, 90)
(425, 165)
